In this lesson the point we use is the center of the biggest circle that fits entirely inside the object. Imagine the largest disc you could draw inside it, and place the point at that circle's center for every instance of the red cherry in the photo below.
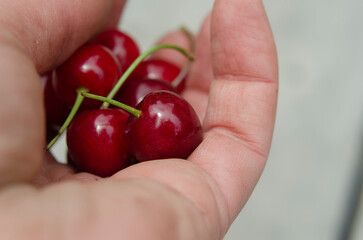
(121, 45)
(51, 132)
(92, 66)
(133, 161)
(134, 90)
(158, 69)
(167, 127)
(96, 143)
(56, 111)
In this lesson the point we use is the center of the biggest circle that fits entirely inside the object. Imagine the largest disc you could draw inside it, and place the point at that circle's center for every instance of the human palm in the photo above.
(233, 87)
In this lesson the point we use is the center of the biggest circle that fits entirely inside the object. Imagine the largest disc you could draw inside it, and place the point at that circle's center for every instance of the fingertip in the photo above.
(181, 37)
(243, 43)
(201, 73)
(115, 15)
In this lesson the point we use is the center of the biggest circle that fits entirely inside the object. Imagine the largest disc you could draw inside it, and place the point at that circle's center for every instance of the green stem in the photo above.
(135, 112)
(185, 70)
(137, 61)
(190, 37)
(71, 115)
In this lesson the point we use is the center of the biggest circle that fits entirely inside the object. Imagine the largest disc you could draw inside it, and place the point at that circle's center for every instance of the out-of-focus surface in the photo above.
(305, 188)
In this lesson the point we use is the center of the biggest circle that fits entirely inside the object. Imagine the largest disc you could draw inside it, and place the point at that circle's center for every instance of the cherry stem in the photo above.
(133, 111)
(177, 81)
(190, 37)
(71, 115)
(137, 61)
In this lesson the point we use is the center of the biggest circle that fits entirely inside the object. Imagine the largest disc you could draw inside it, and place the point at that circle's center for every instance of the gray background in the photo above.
(304, 191)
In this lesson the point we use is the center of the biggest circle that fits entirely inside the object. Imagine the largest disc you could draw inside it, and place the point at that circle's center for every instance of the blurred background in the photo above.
(311, 183)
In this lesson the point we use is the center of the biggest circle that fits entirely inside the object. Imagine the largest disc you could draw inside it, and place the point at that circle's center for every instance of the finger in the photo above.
(31, 42)
(126, 209)
(201, 74)
(22, 117)
(192, 183)
(179, 38)
(242, 103)
(49, 34)
(54, 172)
(51, 171)
(115, 15)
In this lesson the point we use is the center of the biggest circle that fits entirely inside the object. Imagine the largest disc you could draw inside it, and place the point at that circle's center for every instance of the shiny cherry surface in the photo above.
(121, 44)
(92, 66)
(133, 91)
(96, 143)
(158, 69)
(167, 127)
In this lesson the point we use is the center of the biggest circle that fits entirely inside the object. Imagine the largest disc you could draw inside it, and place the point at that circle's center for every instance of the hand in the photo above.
(232, 85)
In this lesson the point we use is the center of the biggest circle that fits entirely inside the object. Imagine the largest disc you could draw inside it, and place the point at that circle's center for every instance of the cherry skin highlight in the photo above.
(158, 69)
(93, 67)
(167, 127)
(96, 143)
(121, 45)
(134, 90)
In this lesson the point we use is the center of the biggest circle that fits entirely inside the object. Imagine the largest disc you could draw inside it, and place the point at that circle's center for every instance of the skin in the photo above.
(232, 85)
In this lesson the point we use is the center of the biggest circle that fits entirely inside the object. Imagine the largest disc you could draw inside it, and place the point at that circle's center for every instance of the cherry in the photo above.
(56, 111)
(96, 143)
(167, 127)
(97, 139)
(134, 90)
(82, 87)
(133, 161)
(121, 44)
(51, 132)
(158, 69)
(91, 66)
(139, 59)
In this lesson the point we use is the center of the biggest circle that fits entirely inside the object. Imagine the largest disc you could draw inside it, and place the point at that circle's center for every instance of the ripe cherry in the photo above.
(134, 90)
(121, 44)
(158, 69)
(167, 127)
(51, 132)
(93, 67)
(56, 111)
(96, 143)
